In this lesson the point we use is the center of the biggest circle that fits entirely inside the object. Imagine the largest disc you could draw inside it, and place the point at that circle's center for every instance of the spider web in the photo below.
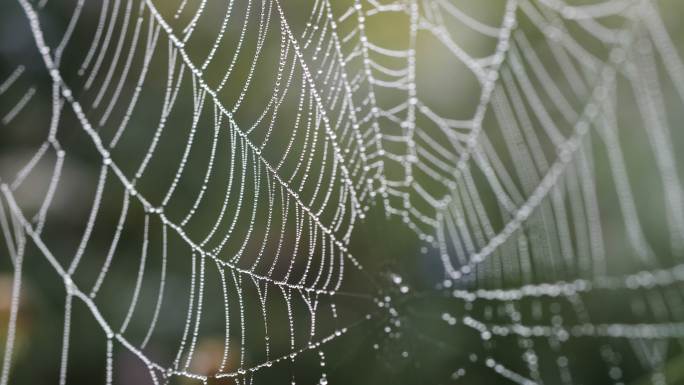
(245, 144)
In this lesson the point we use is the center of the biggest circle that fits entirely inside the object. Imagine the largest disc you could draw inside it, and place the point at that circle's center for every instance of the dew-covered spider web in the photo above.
(341, 191)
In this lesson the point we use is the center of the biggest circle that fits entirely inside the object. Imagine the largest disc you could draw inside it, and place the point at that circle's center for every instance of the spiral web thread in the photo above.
(510, 196)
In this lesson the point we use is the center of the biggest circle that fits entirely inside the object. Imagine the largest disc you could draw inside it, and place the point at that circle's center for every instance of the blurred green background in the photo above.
(409, 341)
